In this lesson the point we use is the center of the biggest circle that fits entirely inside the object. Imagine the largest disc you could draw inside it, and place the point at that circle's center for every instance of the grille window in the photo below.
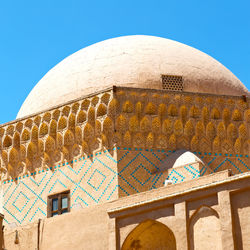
(170, 82)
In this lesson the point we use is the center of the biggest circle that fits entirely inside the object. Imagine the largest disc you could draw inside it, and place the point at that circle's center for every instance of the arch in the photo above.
(148, 235)
(204, 229)
(179, 158)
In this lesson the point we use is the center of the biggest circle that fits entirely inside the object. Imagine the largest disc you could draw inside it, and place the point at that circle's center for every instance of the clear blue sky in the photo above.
(36, 35)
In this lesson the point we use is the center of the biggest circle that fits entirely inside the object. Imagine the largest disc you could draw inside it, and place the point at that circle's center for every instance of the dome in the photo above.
(179, 158)
(130, 61)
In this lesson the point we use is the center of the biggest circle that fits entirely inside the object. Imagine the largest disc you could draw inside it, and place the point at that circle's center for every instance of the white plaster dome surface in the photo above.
(132, 61)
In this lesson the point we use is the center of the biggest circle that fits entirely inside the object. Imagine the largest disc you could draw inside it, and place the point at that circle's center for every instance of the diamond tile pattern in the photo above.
(102, 178)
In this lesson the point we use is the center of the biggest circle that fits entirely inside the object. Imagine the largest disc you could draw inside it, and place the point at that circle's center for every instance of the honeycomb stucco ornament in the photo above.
(79, 129)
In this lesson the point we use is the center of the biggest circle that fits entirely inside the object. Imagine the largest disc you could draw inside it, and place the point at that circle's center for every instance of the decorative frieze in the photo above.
(126, 117)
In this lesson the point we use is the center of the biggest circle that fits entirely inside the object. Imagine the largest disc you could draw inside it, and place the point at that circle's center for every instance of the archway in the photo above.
(204, 230)
(150, 235)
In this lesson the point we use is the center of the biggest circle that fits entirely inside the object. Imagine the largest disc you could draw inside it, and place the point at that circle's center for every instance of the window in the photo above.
(58, 204)
(171, 82)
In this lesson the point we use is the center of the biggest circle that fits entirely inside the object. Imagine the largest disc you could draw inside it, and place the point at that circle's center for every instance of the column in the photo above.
(112, 234)
(181, 222)
(226, 220)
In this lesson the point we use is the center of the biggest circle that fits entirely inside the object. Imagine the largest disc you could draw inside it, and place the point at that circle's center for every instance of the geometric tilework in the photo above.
(136, 174)
(96, 179)
(21, 201)
(175, 176)
(90, 182)
(104, 177)
(138, 168)
(190, 172)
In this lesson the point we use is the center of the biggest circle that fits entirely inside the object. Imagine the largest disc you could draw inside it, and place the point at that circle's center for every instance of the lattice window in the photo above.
(171, 82)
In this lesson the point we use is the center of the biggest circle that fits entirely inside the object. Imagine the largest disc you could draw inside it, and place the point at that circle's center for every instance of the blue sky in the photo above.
(36, 35)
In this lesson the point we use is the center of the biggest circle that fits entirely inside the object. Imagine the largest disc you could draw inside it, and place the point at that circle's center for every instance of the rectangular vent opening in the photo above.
(171, 82)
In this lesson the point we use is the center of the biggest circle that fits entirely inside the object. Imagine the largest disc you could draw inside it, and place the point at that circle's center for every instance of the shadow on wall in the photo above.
(178, 159)
(241, 209)
(182, 165)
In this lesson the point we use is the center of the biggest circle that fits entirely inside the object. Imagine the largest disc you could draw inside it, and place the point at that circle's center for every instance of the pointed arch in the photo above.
(148, 235)
(204, 229)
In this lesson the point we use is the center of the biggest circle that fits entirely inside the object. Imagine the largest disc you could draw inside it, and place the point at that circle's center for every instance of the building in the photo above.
(136, 142)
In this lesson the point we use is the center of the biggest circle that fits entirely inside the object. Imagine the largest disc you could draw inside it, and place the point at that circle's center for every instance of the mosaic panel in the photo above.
(89, 181)
(104, 177)
(139, 170)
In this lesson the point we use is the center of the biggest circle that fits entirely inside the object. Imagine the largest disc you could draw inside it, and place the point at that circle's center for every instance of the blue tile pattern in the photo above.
(103, 178)
(25, 200)
(136, 177)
